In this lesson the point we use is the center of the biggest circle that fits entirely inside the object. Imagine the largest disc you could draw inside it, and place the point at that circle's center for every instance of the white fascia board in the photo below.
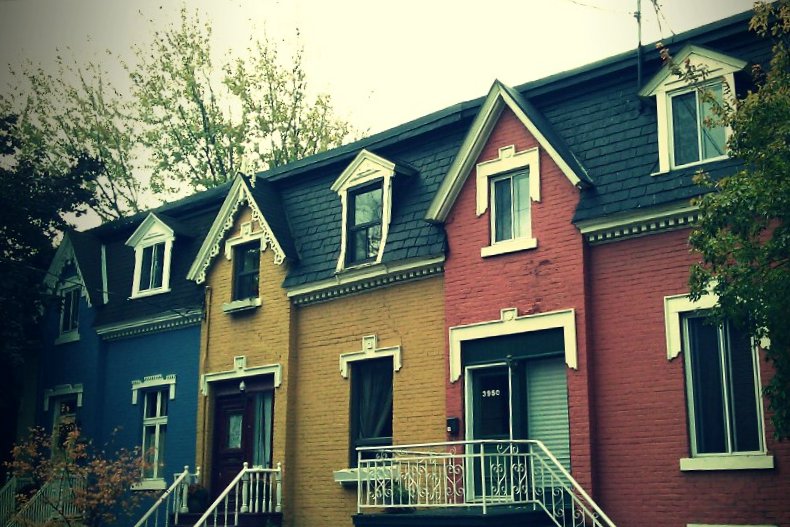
(718, 64)
(361, 274)
(629, 218)
(141, 322)
(353, 176)
(147, 224)
(65, 253)
(223, 222)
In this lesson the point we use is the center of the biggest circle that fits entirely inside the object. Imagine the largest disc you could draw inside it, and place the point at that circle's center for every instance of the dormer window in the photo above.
(153, 247)
(685, 120)
(694, 138)
(364, 224)
(246, 264)
(365, 190)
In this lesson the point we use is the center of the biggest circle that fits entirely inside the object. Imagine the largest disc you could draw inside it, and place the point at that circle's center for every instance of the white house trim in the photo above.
(496, 101)
(152, 231)
(370, 350)
(238, 195)
(151, 381)
(241, 371)
(663, 85)
(64, 255)
(510, 323)
(727, 462)
(674, 307)
(61, 390)
(150, 324)
(367, 167)
(105, 291)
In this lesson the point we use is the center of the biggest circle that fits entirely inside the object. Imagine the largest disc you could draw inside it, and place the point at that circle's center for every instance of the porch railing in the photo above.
(8, 499)
(484, 474)
(254, 490)
(172, 501)
(55, 499)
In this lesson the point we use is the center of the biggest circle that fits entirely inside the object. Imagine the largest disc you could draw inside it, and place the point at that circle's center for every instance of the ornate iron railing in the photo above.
(482, 474)
(254, 490)
(173, 501)
(55, 499)
(8, 499)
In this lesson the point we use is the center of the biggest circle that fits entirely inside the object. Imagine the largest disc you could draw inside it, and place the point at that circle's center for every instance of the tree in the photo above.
(202, 125)
(33, 206)
(85, 486)
(77, 112)
(743, 234)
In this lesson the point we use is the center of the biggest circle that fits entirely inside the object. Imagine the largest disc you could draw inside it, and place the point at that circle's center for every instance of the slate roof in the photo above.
(270, 203)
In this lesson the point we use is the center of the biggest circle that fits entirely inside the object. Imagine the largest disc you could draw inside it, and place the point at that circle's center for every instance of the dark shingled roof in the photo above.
(270, 202)
(87, 251)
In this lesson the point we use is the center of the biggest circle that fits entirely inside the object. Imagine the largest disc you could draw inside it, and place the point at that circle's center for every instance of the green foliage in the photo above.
(743, 234)
(203, 124)
(95, 481)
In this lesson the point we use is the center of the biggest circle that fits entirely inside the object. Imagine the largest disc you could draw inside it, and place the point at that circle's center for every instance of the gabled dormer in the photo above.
(685, 135)
(365, 190)
(153, 250)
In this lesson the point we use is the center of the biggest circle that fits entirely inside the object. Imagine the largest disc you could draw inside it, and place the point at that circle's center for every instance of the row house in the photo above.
(478, 317)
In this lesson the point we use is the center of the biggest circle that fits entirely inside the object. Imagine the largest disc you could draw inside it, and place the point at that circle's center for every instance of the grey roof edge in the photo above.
(545, 127)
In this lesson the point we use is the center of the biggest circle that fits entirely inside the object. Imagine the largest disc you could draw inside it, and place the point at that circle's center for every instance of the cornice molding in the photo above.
(364, 279)
(632, 225)
(150, 325)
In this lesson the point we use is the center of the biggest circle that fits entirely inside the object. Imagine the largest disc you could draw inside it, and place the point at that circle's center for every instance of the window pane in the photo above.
(743, 411)
(67, 312)
(247, 260)
(145, 269)
(149, 452)
(164, 395)
(75, 309)
(521, 205)
(684, 128)
(160, 459)
(150, 404)
(157, 266)
(706, 374)
(234, 431)
(713, 137)
(494, 412)
(372, 393)
(503, 222)
(367, 206)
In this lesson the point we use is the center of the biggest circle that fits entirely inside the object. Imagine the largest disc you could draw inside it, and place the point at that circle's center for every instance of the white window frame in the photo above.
(367, 168)
(157, 422)
(72, 334)
(507, 164)
(152, 231)
(513, 209)
(676, 308)
(699, 125)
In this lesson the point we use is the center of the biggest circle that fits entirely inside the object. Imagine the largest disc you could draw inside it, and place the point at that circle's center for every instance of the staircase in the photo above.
(171, 506)
(8, 499)
(54, 500)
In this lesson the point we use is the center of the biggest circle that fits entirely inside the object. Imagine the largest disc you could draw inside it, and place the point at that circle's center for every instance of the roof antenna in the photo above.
(638, 16)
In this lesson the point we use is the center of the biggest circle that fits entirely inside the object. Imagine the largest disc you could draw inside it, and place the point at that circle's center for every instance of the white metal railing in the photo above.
(254, 490)
(173, 501)
(481, 473)
(55, 499)
(8, 499)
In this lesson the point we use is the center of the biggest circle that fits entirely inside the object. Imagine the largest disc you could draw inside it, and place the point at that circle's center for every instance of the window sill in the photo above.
(690, 165)
(69, 336)
(149, 292)
(244, 304)
(509, 246)
(724, 462)
(150, 484)
(349, 477)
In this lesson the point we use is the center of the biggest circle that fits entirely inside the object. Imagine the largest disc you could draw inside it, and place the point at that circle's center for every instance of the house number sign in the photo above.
(491, 393)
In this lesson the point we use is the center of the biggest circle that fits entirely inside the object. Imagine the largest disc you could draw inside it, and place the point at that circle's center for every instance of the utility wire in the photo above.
(599, 8)
(660, 16)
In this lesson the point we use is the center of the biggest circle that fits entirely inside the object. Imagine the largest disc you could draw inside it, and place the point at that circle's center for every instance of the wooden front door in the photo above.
(242, 429)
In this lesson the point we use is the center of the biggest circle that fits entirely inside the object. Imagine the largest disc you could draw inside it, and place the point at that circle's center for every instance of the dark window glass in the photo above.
(503, 206)
(726, 413)
(371, 404)
(152, 267)
(684, 128)
(70, 310)
(247, 259)
(364, 224)
(145, 268)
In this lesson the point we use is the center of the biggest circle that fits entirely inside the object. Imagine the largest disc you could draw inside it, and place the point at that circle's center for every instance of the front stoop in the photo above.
(457, 517)
(268, 519)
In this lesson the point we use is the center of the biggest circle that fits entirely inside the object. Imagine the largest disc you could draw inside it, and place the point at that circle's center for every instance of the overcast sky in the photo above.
(384, 63)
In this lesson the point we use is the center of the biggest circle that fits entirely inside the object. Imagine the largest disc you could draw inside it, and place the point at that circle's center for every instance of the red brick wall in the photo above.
(640, 407)
(547, 278)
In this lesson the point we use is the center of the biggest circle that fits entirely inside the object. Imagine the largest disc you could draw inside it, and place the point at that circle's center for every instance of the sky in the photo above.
(383, 63)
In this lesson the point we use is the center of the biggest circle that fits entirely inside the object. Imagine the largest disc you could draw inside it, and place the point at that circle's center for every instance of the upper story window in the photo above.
(365, 190)
(70, 309)
(510, 201)
(507, 186)
(153, 247)
(371, 405)
(695, 137)
(687, 133)
(246, 268)
(364, 224)
(723, 392)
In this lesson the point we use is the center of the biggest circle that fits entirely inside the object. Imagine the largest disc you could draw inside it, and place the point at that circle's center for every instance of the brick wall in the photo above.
(640, 404)
(410, 315)
(544, 279)
(262, 335)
